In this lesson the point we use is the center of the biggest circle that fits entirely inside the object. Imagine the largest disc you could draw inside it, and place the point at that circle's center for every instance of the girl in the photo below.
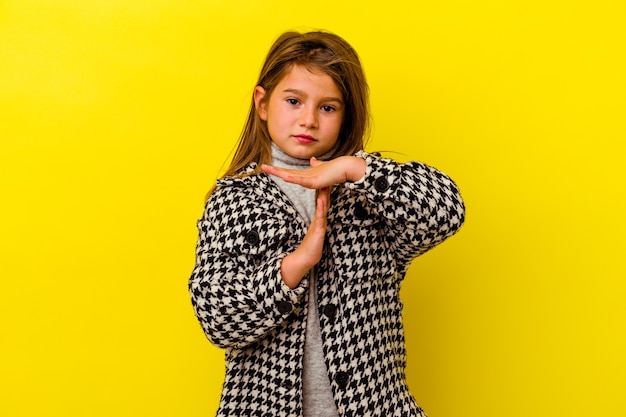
(305, 241)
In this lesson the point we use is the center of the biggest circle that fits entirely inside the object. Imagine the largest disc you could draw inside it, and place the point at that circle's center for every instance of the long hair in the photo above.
(320, 52)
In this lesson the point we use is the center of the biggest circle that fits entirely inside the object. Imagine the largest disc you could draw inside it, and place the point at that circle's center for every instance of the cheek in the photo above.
(338, 124)
(277, 116)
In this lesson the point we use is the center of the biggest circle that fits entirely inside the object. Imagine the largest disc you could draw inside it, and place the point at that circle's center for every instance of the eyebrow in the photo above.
(302, 93)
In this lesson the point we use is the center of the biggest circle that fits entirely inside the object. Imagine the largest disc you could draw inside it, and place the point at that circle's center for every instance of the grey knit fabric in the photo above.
(317, 394)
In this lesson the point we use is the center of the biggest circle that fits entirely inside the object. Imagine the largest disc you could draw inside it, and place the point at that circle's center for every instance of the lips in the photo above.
(304, 138)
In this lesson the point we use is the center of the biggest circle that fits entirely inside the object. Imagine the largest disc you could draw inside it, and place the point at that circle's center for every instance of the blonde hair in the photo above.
(316, 51)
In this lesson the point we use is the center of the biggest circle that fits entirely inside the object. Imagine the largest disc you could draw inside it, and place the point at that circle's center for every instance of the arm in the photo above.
(236, 286)
(320, 176)
(296, 265)
(420, 205)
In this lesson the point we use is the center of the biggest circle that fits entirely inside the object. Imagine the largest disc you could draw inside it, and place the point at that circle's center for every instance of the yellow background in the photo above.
(117, 115)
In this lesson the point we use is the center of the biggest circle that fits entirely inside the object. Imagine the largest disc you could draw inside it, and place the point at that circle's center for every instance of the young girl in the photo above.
(305, 241)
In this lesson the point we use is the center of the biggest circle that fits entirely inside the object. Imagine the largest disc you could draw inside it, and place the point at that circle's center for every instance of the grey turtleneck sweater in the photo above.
(316, 391)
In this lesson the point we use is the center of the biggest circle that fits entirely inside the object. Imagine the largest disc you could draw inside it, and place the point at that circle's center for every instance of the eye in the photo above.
(293, 101)
(328, 108)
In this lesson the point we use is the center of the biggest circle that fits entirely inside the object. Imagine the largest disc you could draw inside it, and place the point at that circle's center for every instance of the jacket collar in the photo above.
(261, 187)
(241, 179)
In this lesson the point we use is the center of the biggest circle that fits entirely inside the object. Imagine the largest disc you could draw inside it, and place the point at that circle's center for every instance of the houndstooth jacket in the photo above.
(376, 226)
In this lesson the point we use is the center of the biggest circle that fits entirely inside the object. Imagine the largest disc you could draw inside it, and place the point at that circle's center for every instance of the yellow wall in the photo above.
(116, 116)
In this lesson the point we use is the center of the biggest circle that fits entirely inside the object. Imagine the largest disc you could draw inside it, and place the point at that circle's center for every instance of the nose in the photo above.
(308, 118)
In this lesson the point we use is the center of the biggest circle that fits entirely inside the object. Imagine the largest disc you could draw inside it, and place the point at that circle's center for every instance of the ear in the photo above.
(259, 102)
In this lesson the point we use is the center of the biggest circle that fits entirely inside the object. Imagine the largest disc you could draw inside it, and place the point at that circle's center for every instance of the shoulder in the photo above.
(234, 192)
(236, 208)
(245, 215)
(241, 196)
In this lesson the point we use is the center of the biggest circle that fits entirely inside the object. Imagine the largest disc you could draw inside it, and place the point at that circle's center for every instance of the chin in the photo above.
(301, 153)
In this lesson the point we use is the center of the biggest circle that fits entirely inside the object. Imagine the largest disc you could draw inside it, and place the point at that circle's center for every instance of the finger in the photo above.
(315, 162)
(324, 197)
(304, 177)
(270, 169)
(320, 209)
(300, 177)
(277, 172)
(309, 177)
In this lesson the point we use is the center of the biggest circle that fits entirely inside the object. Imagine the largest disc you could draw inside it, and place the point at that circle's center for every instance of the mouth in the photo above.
(304, 138)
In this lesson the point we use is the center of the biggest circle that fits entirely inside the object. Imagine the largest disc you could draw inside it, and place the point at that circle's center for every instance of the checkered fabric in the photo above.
(376, 226)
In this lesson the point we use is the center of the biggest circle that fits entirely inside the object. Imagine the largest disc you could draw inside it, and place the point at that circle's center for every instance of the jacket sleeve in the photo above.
(236, 290)
(420, 205)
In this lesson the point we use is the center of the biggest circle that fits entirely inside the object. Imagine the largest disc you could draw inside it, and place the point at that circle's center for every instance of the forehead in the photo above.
(310, 82)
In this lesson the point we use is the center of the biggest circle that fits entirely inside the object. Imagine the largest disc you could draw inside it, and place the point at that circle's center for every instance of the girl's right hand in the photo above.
(296, 265)
(322, 173)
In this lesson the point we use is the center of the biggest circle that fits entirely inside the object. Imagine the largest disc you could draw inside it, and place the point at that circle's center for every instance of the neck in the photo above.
(280, 158)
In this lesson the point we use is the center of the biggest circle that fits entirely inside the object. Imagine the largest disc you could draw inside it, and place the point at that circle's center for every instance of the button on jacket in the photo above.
(376, 226)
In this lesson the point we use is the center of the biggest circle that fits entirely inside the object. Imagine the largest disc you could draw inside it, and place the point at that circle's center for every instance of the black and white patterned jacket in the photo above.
(376, 226)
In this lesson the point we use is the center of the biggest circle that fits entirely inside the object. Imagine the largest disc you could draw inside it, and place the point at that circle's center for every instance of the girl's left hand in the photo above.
(322, 174)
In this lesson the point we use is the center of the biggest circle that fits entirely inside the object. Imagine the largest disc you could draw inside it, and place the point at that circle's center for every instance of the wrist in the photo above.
(293, 268)
(356, 168)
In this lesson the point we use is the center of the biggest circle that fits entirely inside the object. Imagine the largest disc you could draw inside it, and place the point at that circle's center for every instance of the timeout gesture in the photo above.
(321, 176)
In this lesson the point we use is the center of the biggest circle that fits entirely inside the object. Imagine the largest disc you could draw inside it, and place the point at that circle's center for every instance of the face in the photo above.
(303, 113)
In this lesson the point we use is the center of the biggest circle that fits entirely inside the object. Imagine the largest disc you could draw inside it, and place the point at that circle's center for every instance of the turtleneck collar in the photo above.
(283, 160)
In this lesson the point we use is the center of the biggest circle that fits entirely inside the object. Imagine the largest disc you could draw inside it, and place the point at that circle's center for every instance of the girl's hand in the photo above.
(295, 265)
(322, 174)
